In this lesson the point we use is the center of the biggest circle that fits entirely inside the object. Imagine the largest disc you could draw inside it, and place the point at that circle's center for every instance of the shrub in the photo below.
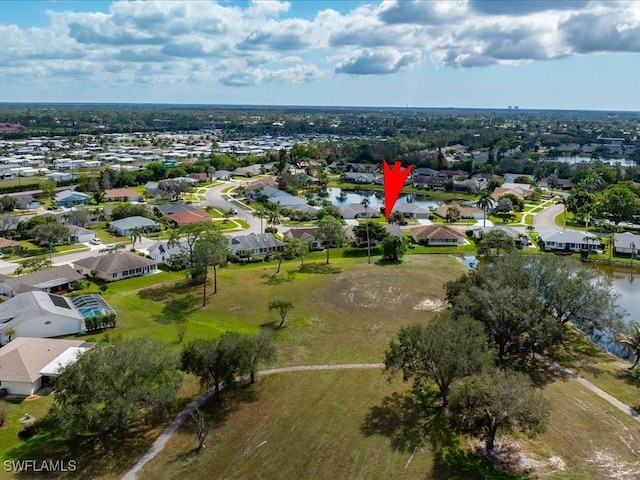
(4, 412)
(104, 287)
(27, 432)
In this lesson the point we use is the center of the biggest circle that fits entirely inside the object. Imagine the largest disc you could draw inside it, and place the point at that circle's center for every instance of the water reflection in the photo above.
(339, 197)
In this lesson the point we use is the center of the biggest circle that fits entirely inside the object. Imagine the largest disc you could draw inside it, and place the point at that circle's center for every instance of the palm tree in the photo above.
(273, 215)
(485, 202)
(261, 213)
(632, 340)
(136, 236)
(365, 203)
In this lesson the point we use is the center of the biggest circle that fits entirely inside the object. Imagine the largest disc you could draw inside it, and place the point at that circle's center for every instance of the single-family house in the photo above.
(358, 177)
(425, 171)
(254, 245)
(568, 241)
(26, 202)
(393, 230)
(432, 235)
(60, 176)
(80, 234)
(520, 190)
(112, 267)
(260, 184)
(122, 195)
(6, 244)
(27, 363)
(50, 280)
(357, 210)
(166, 252)
(627, 243)
(199, 176)
(307, 235)
(169, 208)
(223, 174)
(248, 171)
(152, 188)
(411, 210)
(455, 174)
(465, 211)
(124, 227)
(184, 217)
(520, 239)
(424, 181)
(67, 198)
(40, 314)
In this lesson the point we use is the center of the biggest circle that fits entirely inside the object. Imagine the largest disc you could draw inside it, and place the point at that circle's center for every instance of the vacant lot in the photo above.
(354, 424)
(346, 315)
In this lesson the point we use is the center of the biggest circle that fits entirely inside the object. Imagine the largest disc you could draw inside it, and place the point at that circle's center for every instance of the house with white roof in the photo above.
(568, 240)
(40, 314)
(627, 243)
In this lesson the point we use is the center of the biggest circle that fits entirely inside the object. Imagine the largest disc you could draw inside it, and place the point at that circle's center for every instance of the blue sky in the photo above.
(565, 54)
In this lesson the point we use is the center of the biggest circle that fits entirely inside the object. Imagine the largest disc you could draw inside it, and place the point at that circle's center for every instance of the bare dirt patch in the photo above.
(431, 305)
(414, 286)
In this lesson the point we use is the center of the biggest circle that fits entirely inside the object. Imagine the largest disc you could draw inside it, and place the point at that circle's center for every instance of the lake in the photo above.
(339, 197)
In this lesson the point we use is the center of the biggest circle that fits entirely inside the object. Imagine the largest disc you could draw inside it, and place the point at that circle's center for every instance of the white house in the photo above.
(124, 227)
(26, 362)
(568, 240)
(80, 234)
(39, 314)
(627, 243)
(162, 252)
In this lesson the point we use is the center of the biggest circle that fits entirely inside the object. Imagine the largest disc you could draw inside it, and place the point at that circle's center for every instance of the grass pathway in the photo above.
(161, 441)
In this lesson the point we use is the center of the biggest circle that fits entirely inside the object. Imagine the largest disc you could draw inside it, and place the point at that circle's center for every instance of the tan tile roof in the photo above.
(189, 217)
(22, 359)
(435, 231)
(121, 192)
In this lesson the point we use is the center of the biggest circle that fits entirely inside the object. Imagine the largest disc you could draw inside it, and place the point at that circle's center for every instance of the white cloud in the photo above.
(382, 61)
(204, 41)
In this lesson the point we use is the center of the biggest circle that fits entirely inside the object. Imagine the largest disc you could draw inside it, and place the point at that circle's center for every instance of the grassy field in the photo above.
(354, 424)
(346, 315)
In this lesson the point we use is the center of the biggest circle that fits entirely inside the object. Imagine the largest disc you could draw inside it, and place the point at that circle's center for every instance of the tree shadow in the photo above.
(321, 268)
(177, 309)
(385, 263)
(277, 279)
(217, 414)
(88, 453)
(164, 292)
(410, 422)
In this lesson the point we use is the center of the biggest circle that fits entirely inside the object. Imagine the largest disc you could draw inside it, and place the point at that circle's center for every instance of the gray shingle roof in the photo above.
(50, 277)
(115, 262)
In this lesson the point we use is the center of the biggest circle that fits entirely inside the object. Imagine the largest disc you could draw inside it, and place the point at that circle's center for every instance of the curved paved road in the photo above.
(161, 441)
(215, 199)
(544, 221)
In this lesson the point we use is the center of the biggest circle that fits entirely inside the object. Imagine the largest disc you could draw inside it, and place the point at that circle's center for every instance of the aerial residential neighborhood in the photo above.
(160, 246)
(309, 240)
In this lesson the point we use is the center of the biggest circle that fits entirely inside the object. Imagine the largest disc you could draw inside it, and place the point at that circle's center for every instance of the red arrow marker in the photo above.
(393, 182)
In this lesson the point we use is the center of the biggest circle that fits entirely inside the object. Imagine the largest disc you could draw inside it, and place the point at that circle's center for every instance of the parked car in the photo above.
(109, 247)
(95, 241)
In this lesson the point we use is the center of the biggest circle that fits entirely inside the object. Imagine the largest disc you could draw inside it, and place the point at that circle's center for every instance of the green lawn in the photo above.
(321, 425)
(373, 297)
